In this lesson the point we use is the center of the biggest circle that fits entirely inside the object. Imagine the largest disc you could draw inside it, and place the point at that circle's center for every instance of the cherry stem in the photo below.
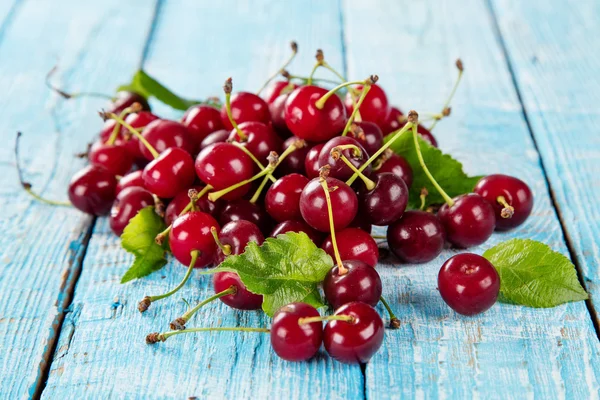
(309, 320)
(115, 132)
(379, 236)
(214, 196)
(508, 211)
(446, 109)
(423, 197)
(161, 337)
(294, 47)
(133, 131)
(227, 88)
(179, 323)
(394, 321)
(368, 182)
(395, 137)
(146, 301)
(320, 104)
(355, 114)
(225, 248)
(249, 154)
(67, 95)
(324, 172)
(305, 79)
(259, 190)
(441, 191)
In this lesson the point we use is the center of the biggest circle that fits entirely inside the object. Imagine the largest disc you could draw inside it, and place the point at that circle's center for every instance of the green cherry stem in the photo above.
(423, 197)
(225, 248)
(294, 47)
(146, 301)
(323, 174)
(178, 324)
(394, 321)
(379, 236)
(446, 109)
(131, 130)
(320, 104)
(135, 107)
(304, 79)
(214, 196)
(249, 154)
(161, 337)
(309, 320)
(355, 114)
(337, 154)
(228, 88)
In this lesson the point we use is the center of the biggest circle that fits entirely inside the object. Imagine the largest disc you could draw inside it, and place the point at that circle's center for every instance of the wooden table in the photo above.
(528, 106)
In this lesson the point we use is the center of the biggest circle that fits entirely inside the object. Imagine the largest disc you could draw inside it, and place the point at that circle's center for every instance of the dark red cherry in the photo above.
(291, 340)
(222, 165)
(426, 135)
(386, 202)
(170, 173)
(514, 192)
(219, 136)
(246, 107)
(370, 138)
(339, 169)
(113, 158)
(126, 206)
(235, 235)
(355, 341)
(398, 166)
(242, 299)
(125, 99)
(360, 283)
(294, 162)
(244, 210)
(308, 122)
(313, 205)
(190, 232)
(469, 222)
(277, 111)
(417, 237)
(201, 120)
(375, 107)
(163, 134)
(282, 201)
(297, 226)
(277, 89)
(311, 162)
(132, 179)
(468, 283)
(93, 190)
(392, 121)
(354, 244)
(182, 199)
(261, 139)
(138, 121)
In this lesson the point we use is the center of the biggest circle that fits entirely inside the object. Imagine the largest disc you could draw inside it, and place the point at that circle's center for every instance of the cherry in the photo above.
(170, 173)
(386, 202)
(234, 237)
(294, 162)
(138, 121)
(306, 121)
(426, 135)
(163, 134)
(132, 179)
(375, 107)
(202, 120)
(222, 165)
(246, 107)
(368, 135)
(311, 162)
(510, 197)
(354, 244)
(468, 283)
(277, 111)
(313, 205)
(297, 226)
(277, 89)
(258, 138)
(392, 121)
(354, 340)
(469, 221)
(125, 99)
(357, 155)
(358, 281)
(92, 190)
(398, 166)
(192, 232)
(417, 237)
(219, 136)
(245, 210)
(282, 201)
(126, 206)
(182, 200)
(242, 299)
(293, 340)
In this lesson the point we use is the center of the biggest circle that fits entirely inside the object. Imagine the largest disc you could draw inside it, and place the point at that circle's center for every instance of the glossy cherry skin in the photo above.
(261, 139)
(126, 206)
(313, 205)
(311, 162)
(468, 283)
(138, 121)
(371, 137)
(392, 121)
(113, 158)
(277, 111)
(375, 107)
(398, 166)
(282, 201)
(360, 283)
(417, 237)
(246, 107)
(125, 99)
(202, 120)
(339, 169)
(469, 222)
(386, 202)
(354, 244)
(219, 136)
(308, 122)
(132, 179)
(276, 89)
(297, 226)
(356, 341)
(516, 193)
(244, 210)
(291, 340)
(170, 173)
(92, 190)
(190, 232)
(163, 134)
(294, 162)
(182, 199)
(242, 299)
(222, 165)
(236, 235)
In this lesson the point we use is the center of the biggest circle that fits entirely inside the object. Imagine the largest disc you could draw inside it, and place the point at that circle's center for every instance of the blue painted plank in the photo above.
(195, 47)
(510, 351)
(41, 246)
(553, 49)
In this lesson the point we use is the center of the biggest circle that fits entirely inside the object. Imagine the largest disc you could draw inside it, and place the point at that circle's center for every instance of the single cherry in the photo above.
(219, 136)
(469, 283)
(234, 237)
(125, 99)
(357, 155)
(282, 201)
(386, 202)
(132, 179)
(393, 121)
(294, 162)
(417, 237)
(313, 205)
(375, 107)
(182, 200)
(242, 299)
(397, 165)
(259, 139)
(170, 173)
(192, 232)
(92, 190)
(358, 281)
(297, 226)
(246, 107)
(510, 197)
(112, 157)
(202, 120)
(127, 204)
(245, 210)
(354, 244)
(163, 134)
(311, 162)
(470, 221)
(293, 340)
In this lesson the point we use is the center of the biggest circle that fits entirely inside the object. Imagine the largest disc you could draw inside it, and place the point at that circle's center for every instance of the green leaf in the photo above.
(532, 274)
(284, 270)
(138, 239)
(447, 171)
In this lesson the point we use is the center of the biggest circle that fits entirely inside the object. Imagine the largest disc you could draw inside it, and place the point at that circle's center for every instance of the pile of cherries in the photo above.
(296, 158)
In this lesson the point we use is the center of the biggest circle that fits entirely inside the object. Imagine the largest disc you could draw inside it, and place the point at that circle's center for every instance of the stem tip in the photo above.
(413, 117)
(144, 304)
(228, 86)
(178, 324)
(459, 65)
(294, 46)
(154, 337)
(394, 323)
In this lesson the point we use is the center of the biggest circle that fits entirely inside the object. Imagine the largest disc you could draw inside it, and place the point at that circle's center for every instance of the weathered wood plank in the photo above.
(509, 351)
(553, 49)
(102, 351)
(42, 246)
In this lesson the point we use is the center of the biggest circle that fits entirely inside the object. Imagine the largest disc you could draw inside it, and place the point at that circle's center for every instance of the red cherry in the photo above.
(192, 232)
(241, 209)
(125, 99)
(92, 190)
(361, 282)
(170, 173)
(469, 222)
(313, 205)
(113, 158)
(219, 136)
(297, 226)
(354, 244)
(426, 135)
(275, 89)
(132, 179)
(261, 139)
(514, 192)
(163, 134)
(375, 107)
(127, 204)
(294, 162)
(236, 235)
(386, 202)
(246, 107)
(339, 169)
(182, 199)
(201, 120)
(282, 201)
(417, 237)
(291, 340)
(398, 166)
(392, 121)
(242, 299)
(370, 138)
(468, 283)
(311, 162)
(137, 121)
